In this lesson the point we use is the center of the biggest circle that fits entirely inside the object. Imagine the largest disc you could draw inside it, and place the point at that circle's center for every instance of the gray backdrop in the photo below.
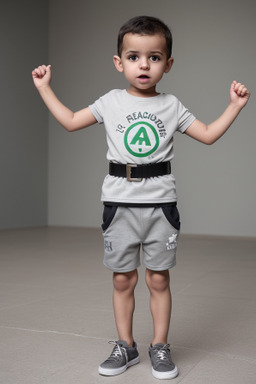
(214, 43)
(23, 119)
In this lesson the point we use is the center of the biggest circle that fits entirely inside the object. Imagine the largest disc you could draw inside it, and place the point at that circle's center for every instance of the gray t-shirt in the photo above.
(139, 130)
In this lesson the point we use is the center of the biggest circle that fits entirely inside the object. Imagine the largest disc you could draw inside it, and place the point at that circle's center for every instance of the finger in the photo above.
(233, 85)
(244, 91)
(48, 68)
(42, 70)
(241, 90)
(36, 72)
(237, 86)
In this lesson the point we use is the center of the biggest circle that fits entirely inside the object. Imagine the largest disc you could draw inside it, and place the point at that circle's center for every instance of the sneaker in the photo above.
(162, 365)
(120, 359)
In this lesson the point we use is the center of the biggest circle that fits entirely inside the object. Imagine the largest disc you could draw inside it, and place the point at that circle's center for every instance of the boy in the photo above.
(139, 193)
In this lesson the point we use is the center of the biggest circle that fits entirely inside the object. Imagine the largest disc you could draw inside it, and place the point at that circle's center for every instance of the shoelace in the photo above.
(118, 351)
(162, 353)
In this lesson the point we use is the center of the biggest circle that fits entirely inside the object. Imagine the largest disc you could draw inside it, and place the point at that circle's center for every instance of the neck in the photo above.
(151, 92)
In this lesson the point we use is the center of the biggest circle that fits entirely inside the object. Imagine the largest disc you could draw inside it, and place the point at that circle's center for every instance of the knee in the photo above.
(158, 281)
(125, 281)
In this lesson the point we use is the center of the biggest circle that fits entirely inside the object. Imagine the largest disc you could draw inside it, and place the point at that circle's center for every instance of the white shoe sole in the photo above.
(118, 371)
(165, 375)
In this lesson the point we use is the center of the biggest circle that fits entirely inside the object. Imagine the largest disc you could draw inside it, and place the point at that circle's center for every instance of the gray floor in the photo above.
(56, 313)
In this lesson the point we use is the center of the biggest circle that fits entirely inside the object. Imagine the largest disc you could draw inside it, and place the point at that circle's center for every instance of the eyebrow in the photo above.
(151, 52)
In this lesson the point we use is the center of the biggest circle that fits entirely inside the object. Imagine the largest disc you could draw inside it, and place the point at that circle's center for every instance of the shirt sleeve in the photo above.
(185, 118)
(97, 109)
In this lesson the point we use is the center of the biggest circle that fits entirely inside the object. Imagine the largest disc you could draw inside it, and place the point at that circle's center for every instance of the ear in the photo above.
(169, 64)
(118, 63)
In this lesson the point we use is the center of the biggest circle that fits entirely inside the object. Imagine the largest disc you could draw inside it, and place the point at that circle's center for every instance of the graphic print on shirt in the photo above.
(142, 138)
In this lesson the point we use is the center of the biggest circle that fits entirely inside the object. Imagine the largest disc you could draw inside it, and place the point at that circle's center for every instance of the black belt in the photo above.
(134, 172)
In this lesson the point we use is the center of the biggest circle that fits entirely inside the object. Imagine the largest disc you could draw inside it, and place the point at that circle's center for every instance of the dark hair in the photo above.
(145, 25)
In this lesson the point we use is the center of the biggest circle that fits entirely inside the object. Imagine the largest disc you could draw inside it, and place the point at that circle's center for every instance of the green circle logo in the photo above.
(141, 139)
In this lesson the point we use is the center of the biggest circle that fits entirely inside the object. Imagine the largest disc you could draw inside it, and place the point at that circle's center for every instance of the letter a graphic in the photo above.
(141, 137)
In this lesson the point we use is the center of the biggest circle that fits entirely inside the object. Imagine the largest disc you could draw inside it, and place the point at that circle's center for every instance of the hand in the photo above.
(239, 94)
(42, 76)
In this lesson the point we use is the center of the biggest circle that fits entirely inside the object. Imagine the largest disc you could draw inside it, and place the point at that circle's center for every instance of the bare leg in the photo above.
(158, 283)
(124, 303)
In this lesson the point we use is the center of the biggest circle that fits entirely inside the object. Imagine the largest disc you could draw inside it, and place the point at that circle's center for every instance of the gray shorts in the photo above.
(127, 229)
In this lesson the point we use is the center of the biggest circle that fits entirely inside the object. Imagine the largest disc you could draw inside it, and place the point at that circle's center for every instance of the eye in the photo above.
(154, 58)
(133, 57)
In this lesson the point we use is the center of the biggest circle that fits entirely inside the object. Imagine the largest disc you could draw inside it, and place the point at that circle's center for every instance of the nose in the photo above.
(144, 64)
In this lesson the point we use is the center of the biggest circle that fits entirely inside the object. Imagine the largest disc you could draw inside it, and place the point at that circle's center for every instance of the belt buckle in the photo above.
(129, 173)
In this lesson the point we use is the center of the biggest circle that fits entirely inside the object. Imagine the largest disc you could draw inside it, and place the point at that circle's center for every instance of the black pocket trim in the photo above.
(108, 215)
(172, 215)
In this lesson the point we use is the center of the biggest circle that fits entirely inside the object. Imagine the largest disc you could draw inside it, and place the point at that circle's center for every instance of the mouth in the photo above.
(143, 79)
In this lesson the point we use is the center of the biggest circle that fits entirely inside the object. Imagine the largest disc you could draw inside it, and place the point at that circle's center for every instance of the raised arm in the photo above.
(208, 134)
(69, 120)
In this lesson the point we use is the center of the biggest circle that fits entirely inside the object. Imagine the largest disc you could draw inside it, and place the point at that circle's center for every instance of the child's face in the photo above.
(143, 61)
